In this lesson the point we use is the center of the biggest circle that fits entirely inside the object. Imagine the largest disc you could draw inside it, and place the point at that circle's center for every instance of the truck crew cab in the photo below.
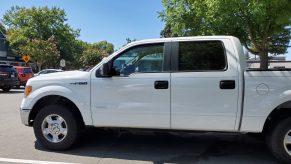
(189, 83)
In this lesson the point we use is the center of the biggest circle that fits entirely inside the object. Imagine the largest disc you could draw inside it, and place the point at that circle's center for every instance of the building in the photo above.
(6, 56)
(278, 61)
(3, 47)
(272, 64)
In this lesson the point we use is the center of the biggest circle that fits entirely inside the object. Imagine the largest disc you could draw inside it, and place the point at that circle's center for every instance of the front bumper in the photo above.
(24, 114)
(25, 109)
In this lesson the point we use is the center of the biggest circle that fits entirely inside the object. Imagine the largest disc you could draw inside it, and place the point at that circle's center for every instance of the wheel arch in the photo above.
(278, 114)
(55, 99)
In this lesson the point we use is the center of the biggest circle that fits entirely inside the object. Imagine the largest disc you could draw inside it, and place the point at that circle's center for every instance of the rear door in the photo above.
(204, 87)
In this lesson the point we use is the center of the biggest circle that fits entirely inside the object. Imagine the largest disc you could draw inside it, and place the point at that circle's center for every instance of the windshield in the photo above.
(27, 70)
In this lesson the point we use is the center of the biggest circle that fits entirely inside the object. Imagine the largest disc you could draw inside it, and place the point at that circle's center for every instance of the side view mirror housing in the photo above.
(105, 70)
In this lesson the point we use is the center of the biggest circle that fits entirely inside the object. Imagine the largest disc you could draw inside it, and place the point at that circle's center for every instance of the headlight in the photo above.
(28, 90)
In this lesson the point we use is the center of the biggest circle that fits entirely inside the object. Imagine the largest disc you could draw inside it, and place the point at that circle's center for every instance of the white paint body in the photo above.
(193, 100)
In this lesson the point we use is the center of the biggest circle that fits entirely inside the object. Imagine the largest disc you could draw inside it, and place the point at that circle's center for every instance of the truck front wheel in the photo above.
(55, 127)
(279, 141)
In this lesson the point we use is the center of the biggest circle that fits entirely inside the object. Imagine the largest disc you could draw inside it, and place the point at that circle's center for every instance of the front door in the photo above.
(138, 93)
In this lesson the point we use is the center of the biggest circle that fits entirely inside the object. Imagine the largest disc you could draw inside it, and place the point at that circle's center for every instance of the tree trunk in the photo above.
(39, 66)
(264, 60)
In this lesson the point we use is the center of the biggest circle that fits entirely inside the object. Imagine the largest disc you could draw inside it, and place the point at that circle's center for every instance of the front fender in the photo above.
(81, 101)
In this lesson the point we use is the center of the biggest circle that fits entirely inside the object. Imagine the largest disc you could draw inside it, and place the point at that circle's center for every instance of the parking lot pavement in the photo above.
(18, 144)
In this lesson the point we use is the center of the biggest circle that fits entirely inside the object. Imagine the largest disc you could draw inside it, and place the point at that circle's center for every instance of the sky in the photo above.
(110, 20)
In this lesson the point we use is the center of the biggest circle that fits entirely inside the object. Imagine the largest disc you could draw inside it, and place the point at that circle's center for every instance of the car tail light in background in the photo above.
(3, 74)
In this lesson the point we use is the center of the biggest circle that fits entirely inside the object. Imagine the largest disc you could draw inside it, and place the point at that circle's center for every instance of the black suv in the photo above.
(8, 77)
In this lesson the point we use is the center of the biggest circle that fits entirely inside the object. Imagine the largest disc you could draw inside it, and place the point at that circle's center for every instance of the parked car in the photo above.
(8, 77)
(47, 71)
(24, 73)
(189, 83)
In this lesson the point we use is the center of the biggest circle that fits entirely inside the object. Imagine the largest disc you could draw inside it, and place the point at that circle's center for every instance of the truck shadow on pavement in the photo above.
(165, 147)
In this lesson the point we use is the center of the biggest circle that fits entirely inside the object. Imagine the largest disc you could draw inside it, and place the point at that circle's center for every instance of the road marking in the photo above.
(11, 160)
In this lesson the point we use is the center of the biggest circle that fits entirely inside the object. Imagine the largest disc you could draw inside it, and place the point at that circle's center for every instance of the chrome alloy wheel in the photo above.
(54, 128)
(287, 142)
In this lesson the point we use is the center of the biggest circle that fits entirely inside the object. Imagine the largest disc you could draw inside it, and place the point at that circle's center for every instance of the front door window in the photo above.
(142, 59)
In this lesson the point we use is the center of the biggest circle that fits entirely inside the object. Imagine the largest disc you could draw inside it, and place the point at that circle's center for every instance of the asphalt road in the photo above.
(18, 144)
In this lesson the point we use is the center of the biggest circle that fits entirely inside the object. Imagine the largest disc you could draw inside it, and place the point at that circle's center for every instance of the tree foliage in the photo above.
(79, 47)
(94, 53)
(128, 40)
(42, 51)
(262, 26)
(2, 28)
(29, 25)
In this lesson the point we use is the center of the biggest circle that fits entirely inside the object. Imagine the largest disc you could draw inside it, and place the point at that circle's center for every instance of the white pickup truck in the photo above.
(189, 83)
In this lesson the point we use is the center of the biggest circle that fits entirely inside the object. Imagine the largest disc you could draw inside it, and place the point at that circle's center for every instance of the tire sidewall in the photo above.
(71, 122)
(276, 141)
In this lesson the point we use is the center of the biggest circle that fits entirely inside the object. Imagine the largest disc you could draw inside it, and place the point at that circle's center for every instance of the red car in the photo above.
(24, 73)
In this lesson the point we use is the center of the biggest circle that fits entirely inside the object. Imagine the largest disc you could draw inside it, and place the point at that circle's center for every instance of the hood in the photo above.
(63, 75)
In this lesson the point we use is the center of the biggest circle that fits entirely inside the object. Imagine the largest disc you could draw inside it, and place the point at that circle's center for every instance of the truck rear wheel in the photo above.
(56, 128)
(279, 141)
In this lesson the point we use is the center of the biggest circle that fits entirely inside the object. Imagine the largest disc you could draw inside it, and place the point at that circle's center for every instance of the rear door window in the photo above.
(202, 56)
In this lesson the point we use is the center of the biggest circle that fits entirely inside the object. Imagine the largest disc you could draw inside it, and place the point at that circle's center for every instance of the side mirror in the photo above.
(105, 70)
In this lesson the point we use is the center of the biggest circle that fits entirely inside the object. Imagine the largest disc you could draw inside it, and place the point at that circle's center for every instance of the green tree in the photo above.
(262, 26)
(94, 53)
(128, 40)
(78, 49)
(28, 24)
(2, 28)
(42, 51)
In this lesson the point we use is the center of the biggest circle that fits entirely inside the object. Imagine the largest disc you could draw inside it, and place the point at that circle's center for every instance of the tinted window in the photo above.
(145, 59)
(27, 70)
(7, 69)
(202, 55)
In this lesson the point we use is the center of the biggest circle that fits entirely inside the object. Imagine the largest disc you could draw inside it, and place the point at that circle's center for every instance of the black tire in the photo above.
(73, 127)
(6, 89)
(275, 140)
